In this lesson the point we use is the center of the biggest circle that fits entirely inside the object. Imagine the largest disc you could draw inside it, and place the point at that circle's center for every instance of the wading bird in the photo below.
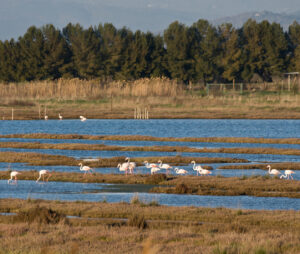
(154, 170)
(82, 118)
(180, 171)
(46, 117)
(167, 167)
(85, 168)
(131, 165)
(13, 174)
(149, 165)
(204, 172)
(42, 173)
(287, 174)
(197, 168)
(273, 171)
(60, 116)
(123, 167)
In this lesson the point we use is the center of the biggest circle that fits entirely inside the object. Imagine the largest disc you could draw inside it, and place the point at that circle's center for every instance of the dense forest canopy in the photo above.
(196, 53)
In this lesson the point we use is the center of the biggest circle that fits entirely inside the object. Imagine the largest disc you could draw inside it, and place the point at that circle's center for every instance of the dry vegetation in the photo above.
(39, 159)
(145, 229)
(162, 97)
(295, 141)
(102, 147)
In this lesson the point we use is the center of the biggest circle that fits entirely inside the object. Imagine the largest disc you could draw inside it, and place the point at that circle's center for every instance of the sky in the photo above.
(16, 16)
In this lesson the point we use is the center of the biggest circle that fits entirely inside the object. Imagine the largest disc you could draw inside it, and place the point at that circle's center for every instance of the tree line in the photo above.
(197, 53)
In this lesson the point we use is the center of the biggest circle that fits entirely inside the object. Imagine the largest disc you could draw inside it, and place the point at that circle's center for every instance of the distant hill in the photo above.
(283, 19)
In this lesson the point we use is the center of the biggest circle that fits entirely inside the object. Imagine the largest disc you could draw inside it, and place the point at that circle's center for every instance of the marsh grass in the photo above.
(47, 159)
(40, 215)
(102, 147)
(169, 229)
(151, 138)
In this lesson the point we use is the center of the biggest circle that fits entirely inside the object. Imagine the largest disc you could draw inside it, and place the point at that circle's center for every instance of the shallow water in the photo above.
(160, 127)
(156, 128)
(116, 193)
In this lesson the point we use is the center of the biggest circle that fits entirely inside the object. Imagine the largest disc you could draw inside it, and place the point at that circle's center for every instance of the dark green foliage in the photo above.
(196, 53)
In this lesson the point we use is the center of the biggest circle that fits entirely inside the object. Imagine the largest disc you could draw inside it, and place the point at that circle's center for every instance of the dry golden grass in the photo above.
(163, 98)
(169, 230)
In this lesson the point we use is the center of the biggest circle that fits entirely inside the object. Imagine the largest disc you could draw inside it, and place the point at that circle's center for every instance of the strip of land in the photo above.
(295, 141)
(40, 227)
(39, 159)
(178, 149)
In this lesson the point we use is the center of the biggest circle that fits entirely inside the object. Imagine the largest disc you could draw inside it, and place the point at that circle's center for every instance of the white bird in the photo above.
(273, 171)
(60, 116)
(204, 172)
(180, 171)
(287, 174)
(42, 173)
(164, 166)
(131, 165)
(197, 168)
(123, 167)
(154, 170)
(46, 117)
(82, 118)
(150, 165)
(85, 168)
(13, 174)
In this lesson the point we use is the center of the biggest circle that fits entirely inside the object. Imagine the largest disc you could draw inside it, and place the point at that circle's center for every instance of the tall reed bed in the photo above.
(71, 89)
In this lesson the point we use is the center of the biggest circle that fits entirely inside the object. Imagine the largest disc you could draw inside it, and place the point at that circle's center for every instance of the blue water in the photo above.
(113, 193)
(160, 127)
(156, 128)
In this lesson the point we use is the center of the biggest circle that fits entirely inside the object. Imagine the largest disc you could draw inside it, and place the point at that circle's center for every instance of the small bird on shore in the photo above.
(82, 118)
(46, 117)
(60, 116)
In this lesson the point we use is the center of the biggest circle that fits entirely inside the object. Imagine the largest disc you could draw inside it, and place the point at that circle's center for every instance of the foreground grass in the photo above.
(165, 229)
(263, 186)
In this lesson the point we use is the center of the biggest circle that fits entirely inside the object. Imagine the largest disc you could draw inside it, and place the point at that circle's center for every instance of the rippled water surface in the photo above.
(161, 127)
(156, 128)
(117, 193)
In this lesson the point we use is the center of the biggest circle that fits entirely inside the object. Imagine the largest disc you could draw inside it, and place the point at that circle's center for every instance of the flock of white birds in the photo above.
(128, 167)
(60, 117)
